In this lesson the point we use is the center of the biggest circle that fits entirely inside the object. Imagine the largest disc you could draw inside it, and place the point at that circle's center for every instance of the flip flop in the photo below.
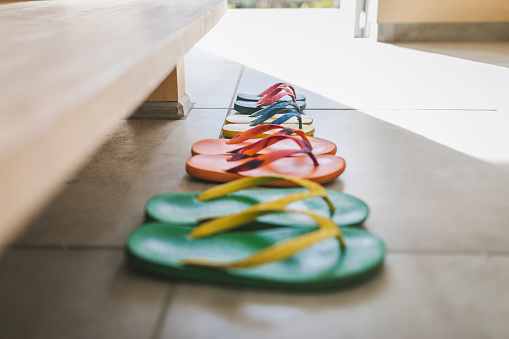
(254, 97)
(232, 130)
(245, 119)
(225, 146)
(273, 88)
(291, 111)
(218, 168)
(233, 197)
(289, 258)
(221, 146)
(250, 107)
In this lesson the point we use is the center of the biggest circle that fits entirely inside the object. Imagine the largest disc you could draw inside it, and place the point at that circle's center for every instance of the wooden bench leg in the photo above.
(168, 101)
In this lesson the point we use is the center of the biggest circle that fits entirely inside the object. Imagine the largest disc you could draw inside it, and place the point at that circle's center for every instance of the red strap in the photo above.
(266, 159)
(270, 89)
(257, 130)
(250, 150)
(276, 94)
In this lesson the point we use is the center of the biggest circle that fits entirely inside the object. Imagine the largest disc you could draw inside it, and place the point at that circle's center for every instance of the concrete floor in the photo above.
(431, 165)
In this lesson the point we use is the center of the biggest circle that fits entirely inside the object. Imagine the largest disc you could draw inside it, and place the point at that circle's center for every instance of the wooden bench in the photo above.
(69, 70)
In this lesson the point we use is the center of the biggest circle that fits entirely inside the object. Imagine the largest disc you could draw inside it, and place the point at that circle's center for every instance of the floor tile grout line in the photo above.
(365, 109)
(232, 99)
(57, 247)
(209, 108)
(158, 327)
(230, 107)
(404, 109)
(54, 247)
(449, 253)
(361, 109)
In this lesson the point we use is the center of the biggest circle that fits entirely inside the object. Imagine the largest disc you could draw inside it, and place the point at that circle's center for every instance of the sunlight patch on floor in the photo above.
(454, 101)
(481, 134)
(314, 49)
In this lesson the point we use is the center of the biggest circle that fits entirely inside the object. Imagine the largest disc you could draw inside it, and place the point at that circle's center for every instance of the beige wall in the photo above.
(435, 11)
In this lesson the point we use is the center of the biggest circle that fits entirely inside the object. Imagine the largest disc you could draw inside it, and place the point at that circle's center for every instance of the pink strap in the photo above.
(279, 84)
(276, 94)
(250, 150)
(271, 88)
(257, 130)
(266, 159)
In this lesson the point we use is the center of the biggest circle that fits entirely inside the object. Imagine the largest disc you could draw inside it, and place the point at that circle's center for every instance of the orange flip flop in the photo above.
(304, 164)
(226, 146)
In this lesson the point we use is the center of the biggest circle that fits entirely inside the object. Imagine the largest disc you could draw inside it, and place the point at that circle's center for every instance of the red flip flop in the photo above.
(303, 164)
(226, 146)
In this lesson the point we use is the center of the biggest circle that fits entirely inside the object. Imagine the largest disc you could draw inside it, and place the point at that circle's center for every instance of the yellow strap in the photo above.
(237, 185)
(238, 219)
(282, 250)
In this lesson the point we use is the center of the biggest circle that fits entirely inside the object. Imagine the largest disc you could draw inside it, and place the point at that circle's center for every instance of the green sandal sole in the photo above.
(184, 209)
(158, 248)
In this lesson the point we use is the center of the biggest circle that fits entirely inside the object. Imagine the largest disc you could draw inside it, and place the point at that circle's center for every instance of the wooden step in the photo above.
(69, 70)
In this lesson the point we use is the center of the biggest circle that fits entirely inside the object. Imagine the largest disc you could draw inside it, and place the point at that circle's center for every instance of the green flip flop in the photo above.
(280, 258)
(192, 208)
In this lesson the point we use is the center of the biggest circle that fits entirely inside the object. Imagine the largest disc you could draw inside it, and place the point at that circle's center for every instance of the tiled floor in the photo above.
(438, 200)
